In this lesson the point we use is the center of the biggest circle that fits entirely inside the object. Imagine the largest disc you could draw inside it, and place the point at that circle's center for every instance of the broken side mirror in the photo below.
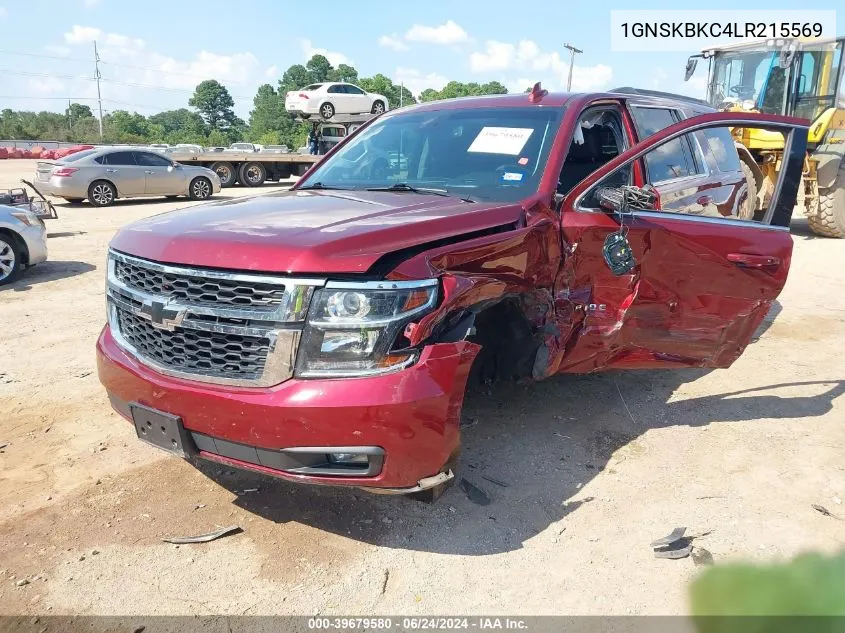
(627, 198)
(692, 63)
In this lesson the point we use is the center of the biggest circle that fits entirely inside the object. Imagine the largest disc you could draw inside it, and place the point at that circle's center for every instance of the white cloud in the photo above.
(271, 72)
(82, 34)
(416, 82)
(45, 85)
(550, 67)
(448, 33)
(335, 58)
(393, 42)
(3, 12)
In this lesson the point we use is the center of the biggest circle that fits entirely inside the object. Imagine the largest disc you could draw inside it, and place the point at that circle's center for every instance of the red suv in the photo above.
(327, 334)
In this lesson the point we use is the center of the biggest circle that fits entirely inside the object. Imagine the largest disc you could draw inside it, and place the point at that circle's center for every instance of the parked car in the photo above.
(276, 149)
(328, 99)
(244, 147)
(23, 241)
(106, 174)
(327, 335)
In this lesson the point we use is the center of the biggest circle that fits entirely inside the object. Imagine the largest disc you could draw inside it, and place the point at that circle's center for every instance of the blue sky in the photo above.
(155, 52)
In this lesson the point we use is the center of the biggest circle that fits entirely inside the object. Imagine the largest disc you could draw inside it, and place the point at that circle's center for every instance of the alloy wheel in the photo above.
(7, 259)
(102, 194)
(201, 188)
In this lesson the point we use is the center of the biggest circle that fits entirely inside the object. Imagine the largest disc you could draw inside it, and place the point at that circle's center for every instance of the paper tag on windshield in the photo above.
(501, 140)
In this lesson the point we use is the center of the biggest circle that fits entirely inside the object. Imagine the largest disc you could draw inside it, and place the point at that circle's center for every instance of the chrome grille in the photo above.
(208, 325)
(195, 288)
(196, 351)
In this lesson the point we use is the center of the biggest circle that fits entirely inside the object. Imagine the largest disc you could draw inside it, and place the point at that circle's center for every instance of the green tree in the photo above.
(180, 126)
(77, 112)
(215, 105)
(319, 69)
(343, 72)
(382, 85)
(121, 126)
(295, 78)
(269, 117)
(456, 89)
(216, 138)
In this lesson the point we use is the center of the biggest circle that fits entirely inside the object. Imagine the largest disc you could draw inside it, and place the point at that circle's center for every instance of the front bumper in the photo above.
(35, 238)
(413, 415)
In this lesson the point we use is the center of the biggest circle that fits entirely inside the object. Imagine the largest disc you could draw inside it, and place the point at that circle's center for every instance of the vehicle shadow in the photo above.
(530, 460)
(799, 227)
(50, 270)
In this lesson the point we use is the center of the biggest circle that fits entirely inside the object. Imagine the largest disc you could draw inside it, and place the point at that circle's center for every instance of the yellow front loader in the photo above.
(794, 78)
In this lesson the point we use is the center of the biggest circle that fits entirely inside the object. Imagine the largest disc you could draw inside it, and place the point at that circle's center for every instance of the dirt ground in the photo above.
(594, 468)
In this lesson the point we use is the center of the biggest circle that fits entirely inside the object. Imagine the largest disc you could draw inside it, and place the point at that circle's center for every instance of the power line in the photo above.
(60, 57)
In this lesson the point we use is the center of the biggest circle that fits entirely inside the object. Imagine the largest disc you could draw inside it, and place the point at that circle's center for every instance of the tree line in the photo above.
(210, 119)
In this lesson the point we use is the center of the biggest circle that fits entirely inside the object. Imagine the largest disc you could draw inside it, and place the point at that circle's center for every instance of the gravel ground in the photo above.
(594, 468)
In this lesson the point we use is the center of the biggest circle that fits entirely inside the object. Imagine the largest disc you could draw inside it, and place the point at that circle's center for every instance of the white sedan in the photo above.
(328, 99)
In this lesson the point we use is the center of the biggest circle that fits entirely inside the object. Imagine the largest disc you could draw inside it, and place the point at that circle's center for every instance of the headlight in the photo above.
(27, 217)
(353, 328)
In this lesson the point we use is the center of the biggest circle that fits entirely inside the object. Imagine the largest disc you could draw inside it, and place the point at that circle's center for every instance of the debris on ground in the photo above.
(474, 493)
(823, 511)
(246, 490)
(204, 538)
(494, 481)
(701, 556)
(384, 582)
(674, 545)
(199, 506)
(22, 582)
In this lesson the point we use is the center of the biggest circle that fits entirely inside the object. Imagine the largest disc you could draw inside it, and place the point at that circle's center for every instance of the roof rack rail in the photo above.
(657, 93)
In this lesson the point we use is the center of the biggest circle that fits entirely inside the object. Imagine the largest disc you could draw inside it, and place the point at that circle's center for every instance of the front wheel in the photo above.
(10, 259)
(829, 221)
(378, 108)
(327, 110)
(101, 193)
(200, 188)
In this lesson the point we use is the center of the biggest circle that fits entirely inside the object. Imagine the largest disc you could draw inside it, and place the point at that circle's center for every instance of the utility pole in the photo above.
(69, 118)
(98, 76)
(572, 51)
(401, 93)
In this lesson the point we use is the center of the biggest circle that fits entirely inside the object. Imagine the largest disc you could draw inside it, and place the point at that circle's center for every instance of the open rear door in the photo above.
(701, 284)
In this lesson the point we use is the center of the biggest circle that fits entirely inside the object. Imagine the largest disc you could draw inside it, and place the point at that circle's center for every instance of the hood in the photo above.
(306, 231)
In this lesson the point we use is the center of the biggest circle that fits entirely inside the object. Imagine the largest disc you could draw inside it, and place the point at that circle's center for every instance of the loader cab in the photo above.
(759, 77)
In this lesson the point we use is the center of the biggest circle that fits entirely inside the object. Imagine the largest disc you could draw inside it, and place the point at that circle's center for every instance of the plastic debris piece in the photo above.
(701, 556)
(674, 553)
(203, 538)
(676, 535)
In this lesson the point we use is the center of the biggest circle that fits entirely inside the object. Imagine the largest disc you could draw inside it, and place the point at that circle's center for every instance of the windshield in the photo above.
(483, 153)
(744, 76)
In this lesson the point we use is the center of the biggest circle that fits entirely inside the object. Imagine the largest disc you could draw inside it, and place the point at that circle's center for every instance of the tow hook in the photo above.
(422, 484)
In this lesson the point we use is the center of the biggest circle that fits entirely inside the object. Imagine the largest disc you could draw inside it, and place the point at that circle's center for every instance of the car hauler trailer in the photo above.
(252, 169)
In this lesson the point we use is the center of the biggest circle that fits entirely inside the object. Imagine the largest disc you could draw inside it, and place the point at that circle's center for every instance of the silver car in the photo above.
(23, 241)
(105, 174)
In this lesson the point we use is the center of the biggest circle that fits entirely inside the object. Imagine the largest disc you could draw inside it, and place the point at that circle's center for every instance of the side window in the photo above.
(335, 90)
(148, 159)
(719, 149)
(354, 90)
(671, 160)
(120, 158)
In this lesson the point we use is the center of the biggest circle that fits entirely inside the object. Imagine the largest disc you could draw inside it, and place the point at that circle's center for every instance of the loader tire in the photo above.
(748, 206)
(830, 220)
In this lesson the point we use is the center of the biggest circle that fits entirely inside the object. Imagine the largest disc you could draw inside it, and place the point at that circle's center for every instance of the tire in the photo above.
(378, 107)
(101, 193)
(749, 205)
(11, 258)
(200, 188)
(252, 174)
(227, 173)
(830, 220)
(74, 200)
(327, 110)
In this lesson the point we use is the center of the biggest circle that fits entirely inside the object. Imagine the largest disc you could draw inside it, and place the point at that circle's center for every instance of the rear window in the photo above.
(312, 87)
(718, 148)
(72, 157)
(117, 158)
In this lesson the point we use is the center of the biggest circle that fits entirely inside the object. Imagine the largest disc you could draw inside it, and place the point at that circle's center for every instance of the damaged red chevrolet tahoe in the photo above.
(327, 334)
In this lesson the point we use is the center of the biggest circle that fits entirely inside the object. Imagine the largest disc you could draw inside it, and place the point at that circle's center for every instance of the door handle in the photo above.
(147, 171)
(111, 171)
(753, 261)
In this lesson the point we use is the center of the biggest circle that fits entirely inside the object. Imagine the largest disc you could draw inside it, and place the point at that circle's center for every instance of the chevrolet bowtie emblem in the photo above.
(161, 315)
